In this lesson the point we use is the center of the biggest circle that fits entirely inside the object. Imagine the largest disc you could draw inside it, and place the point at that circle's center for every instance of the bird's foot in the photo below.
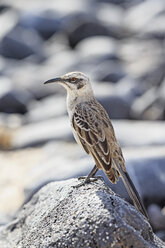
(87, 180)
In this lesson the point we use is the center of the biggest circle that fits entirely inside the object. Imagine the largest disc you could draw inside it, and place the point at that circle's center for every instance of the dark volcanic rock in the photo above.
(90, 216)
(20, 43)
(46, 24)
(149, 106)
(147, 175)
(85, 27)
(157, 218)
(116, 106)
(14, 101)
(109, 71)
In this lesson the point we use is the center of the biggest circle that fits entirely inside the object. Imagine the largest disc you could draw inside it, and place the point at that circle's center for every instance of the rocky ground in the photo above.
(93, 215)
(120, 45)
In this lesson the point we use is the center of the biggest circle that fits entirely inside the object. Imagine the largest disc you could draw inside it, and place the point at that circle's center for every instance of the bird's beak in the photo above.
(54, 80)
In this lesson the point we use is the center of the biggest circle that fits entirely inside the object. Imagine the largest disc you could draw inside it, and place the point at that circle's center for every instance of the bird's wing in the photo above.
(92, 125)
(96, 134)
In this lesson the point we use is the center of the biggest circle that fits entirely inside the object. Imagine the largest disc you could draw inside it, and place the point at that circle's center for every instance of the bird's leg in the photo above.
(88, 178)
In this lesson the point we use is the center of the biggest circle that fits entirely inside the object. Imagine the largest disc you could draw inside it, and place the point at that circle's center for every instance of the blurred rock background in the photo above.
(120, 44)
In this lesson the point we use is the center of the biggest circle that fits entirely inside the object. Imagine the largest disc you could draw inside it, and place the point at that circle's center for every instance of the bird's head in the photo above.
(74, 82)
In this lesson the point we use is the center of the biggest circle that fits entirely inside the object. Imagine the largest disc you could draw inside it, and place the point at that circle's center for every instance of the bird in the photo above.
(93, 130)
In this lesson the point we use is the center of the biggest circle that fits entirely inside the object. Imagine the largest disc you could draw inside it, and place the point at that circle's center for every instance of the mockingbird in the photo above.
(93, 130)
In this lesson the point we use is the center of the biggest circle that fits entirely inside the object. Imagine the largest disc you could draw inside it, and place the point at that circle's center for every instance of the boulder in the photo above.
(13, 100)
(45, 23)
(84, 27)
(20, 43)
(60, 215)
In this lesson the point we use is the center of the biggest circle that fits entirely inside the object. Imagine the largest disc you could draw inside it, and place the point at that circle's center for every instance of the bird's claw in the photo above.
(87, 180)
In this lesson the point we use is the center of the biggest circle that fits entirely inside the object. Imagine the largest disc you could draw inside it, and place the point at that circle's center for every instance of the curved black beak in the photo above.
(54, 80)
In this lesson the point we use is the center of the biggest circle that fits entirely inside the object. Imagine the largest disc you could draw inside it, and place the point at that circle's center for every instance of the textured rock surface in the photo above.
(90, 216)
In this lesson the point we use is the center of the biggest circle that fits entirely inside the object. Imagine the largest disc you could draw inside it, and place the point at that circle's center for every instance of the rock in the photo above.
(148, 106)
(8, 21)
(41, 132)
(147, 133)
(147, 173)
(97, 46)
(122, 3)
(141, 56)
(140, 133)
(129, 88)
(116, 106)
(117, 98)
(15, 167)
(115, 103)
(13, 100)
(108, 71)
(157, 29)
(62, 216)
(84, 27)
(112, 15)
(138, 18)
(51, 169)
(20, 43)
(155, 76)
(140, 163)
(161, 235)
(11, 120)
(4, 7)
(157, 218)
(48, 108)
(45, 23)
(5, 219)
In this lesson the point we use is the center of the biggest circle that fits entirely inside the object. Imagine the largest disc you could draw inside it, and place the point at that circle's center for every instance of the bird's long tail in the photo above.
(132, 190)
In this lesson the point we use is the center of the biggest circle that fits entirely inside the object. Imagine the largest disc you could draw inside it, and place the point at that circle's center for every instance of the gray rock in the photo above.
(91, 216)
(4, 7)
(45, 23)
(157, 29)
(148, 106)
(122, 3)
(109, 71)
(83, 27)
(141, 57)
(14, 100)
(116, 106)
(47, 108)
(149, 174)
(145, 173)
(155, 76)
(157, 218)
(112, 15)
(97, 46)
(4, 219)
(62, 159)
(140, 133)
(20, 43)
(11, 120)
(42, 132)
(138, 18)
(147, 133)
(161, 235)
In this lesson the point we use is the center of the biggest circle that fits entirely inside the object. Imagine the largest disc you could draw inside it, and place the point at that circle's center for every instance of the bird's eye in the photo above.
(73, 79)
